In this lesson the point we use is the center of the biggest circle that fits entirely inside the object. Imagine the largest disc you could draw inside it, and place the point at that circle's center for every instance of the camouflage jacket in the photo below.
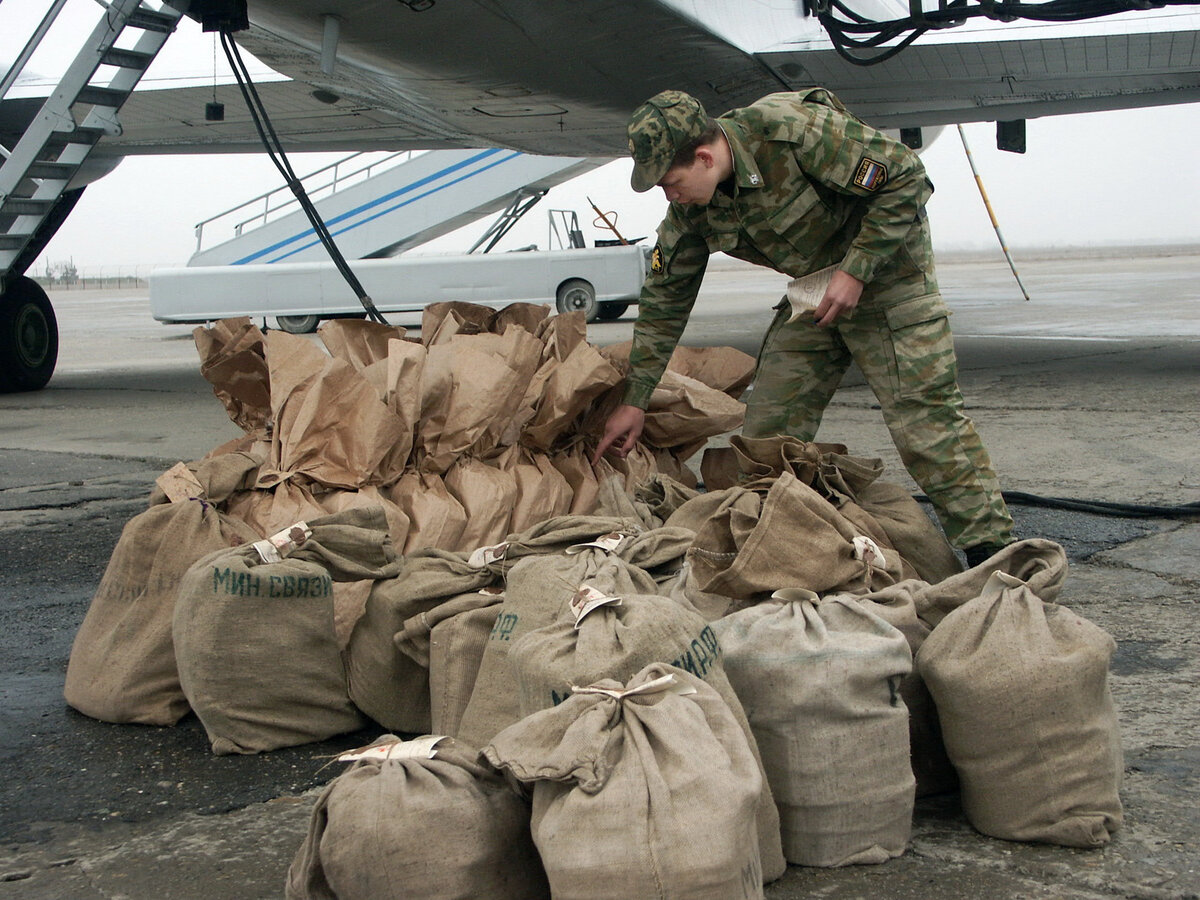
(812, 187)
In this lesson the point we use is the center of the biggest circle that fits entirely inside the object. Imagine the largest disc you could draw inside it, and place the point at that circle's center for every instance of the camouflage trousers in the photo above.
(906, 352)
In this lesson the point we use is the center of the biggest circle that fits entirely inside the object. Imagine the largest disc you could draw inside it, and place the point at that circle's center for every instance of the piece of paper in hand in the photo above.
(805, 293)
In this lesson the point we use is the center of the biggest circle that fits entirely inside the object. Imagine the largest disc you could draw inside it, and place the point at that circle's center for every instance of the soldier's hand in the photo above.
(622, 431)
(840, 298)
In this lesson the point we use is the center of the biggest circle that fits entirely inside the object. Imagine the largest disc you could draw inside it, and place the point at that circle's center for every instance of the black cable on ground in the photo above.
(274, 148)
(1098, 507)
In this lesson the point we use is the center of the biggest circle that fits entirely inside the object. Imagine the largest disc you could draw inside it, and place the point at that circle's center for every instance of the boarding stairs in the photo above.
(378, 208)
(36, 173)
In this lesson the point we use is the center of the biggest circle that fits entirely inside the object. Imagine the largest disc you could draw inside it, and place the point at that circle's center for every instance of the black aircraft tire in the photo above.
(298, 324)
(577, 295)
(28, 337)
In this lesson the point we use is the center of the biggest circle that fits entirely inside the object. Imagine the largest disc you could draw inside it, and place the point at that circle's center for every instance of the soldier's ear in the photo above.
(705, 155)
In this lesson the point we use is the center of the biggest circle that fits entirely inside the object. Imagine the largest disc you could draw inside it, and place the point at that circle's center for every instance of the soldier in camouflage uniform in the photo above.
(796, 183)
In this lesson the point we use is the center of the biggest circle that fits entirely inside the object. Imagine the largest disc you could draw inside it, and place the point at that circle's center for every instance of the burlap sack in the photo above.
(538, 588)
(640, 790)
(664, 495)
(214, 479)
(449, 641)
(1039, 563)
(384, 683)
(931, 766)
(614, 500)
(122, 665)
(1022, 689)
(818, 680)
(431, 823)
(914, 535)
(596, 638)
(753, 545)
(551, 536)
(334, 501)
(255, 640)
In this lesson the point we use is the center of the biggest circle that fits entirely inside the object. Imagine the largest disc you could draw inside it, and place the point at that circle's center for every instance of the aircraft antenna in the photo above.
(991, 215)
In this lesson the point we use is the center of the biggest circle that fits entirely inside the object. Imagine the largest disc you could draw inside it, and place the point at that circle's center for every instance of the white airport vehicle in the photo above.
(600, 281)
(266, 259)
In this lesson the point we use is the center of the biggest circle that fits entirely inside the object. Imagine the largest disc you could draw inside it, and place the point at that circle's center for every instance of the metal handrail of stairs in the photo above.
(270, 206)
(36, 172)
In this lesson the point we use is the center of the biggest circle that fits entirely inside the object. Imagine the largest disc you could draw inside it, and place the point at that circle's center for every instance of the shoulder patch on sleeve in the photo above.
(657, 260)
(870, 175)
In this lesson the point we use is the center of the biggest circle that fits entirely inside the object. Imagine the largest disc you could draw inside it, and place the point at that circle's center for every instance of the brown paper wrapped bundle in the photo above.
(421, 818)
(255, 639)
(449, 641)
(1022, 689)
(725, 369)
(441, 322)
(360, 342)
(122, 666)
(386, 684)
(479, 383)
(531, 317)
(329, 422)
(488, 495)
(817, 679)
(403, 370)
(435, 518)
(570, 385)
(574, 464)
(233, 361)
(684, 411)
(755, 544)
(644, 789)
(273, 509)
(542, 491)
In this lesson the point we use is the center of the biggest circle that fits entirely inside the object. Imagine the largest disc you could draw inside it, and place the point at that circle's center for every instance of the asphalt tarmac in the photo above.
(1090, 390)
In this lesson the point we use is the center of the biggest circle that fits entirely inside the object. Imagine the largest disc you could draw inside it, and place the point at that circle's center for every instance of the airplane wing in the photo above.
(548, 77)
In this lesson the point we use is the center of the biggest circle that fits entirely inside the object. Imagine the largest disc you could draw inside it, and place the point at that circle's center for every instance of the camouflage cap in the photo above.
(657, 130)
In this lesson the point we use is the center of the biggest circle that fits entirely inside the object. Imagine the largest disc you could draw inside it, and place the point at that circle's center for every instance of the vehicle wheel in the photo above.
(576, 295)
(298, 324)
(28, 337)
(610, 312)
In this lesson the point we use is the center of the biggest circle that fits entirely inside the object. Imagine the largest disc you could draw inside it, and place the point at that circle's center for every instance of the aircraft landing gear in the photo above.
(28, 336)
